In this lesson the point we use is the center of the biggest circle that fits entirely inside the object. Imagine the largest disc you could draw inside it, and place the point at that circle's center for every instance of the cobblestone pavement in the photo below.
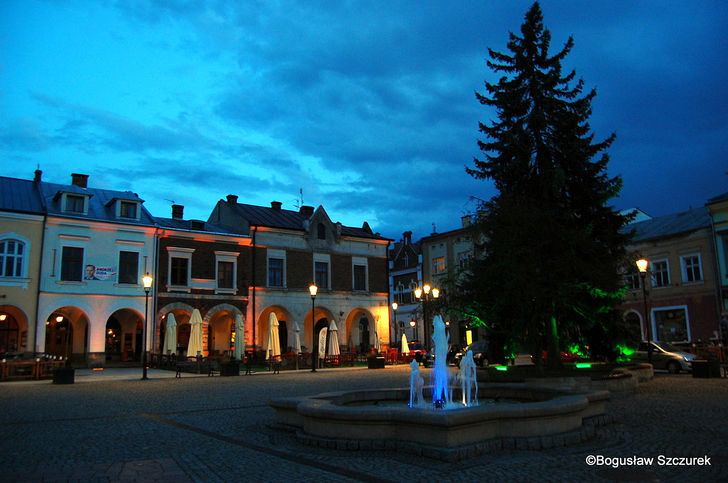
(221, 429)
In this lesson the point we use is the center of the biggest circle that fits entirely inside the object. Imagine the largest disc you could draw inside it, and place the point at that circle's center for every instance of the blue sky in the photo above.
(369, 107)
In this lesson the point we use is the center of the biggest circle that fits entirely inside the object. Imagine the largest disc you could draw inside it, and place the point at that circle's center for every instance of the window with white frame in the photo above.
(74, 203)
(12, 256)
(322, 270)
(671, 324)
(276, 268)
(180, 267)
(632, 279)
(359, 271)
(226, 265)
(692, 270)
(660, 273)
(128, 209)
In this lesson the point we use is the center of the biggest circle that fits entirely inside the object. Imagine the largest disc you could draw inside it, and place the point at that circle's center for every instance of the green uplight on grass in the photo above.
(625, 353)
(583, 365)
(501, 368)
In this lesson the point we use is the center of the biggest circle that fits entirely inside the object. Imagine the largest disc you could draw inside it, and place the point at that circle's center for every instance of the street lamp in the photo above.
(413, 324)
(395, 306)
(425, 295)
(147, 283)
(642, 266)
(313, 289)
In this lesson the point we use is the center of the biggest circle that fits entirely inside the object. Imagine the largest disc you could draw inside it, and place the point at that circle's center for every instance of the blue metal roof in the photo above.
(19, 195)
(670, 225)
(196, 225)
(99, 203)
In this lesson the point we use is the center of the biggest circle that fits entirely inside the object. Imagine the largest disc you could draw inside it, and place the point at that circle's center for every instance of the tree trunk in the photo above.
(554, 349)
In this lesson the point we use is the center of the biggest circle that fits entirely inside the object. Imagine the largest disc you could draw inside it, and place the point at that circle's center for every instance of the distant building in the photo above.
(445, 259)
(405, 274)
(291, 249)
(682, 303)
(718, 208)
(21, 239)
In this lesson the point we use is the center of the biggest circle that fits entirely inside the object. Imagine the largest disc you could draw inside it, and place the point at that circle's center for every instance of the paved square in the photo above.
(110, 428)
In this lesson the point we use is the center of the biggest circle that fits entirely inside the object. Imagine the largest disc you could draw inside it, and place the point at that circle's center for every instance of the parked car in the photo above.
(480, 353)
(665, 356)
(417, 350)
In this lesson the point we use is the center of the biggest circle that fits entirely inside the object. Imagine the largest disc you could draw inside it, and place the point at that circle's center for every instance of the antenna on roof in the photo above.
(171, 201)
(299, 201)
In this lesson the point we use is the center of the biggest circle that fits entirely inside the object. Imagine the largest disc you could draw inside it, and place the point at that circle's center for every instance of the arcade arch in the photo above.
(67, 333)
(361, 329)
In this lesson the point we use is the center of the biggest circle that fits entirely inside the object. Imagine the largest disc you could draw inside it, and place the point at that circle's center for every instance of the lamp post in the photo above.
(642, 265)
(313, 289)
(413, 324)
(147, 282)
(425, 295)
(395, 306)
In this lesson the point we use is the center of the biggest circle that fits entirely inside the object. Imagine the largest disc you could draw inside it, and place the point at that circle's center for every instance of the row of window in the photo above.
(690, 267)
(321, 271)
(74, 270)
(77, 204)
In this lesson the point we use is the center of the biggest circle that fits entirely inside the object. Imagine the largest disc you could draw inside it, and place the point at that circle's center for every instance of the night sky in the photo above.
(369, 107)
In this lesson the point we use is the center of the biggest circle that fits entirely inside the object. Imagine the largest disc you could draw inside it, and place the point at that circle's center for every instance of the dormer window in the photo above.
(321, 231)
(128, 209)
(74, 203)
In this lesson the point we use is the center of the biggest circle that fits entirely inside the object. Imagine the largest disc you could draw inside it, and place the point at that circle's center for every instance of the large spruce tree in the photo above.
(553, 245)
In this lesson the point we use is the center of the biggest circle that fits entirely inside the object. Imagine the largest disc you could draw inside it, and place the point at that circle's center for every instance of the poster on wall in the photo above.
(94, 272)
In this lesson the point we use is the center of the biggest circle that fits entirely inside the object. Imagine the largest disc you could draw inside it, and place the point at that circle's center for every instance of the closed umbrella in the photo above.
(376, 344)
(274, 343)
(296, 338)
(239, 337)
(195, 345)
(170, 336)
(405, 346)
(333, 340)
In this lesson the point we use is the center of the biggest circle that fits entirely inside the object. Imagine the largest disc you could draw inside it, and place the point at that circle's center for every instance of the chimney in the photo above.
(232, 199)
(407, 237)
(276, 205)
(306, 211)
(467, 220)
(80, 180)
(38, 176)
(178, 212)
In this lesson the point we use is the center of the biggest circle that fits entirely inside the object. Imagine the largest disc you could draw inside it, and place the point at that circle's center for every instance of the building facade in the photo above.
(718, 208)
(97, 246)
(682, 306)
(445, 259)
(200, 266)
(405, 275)
(290, 250)
(21, 239)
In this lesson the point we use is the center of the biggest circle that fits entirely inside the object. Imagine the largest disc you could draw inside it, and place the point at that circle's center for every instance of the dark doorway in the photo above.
(283, 335)
(9, 331)
(138, 343)
(183, 338)
(364, 335)
(113, 339)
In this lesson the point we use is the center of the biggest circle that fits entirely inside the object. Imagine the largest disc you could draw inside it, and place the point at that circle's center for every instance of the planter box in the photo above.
(64, 375)
(375, 362)
(230, 369)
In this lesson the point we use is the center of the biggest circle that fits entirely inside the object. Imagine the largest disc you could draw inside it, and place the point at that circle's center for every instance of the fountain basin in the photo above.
(345, 416)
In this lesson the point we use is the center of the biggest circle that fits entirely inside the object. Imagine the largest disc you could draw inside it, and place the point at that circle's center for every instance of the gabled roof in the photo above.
(99, 206)
(670, 225)
(19, 195)
(718, 198)
(196, 225)
(290, 220)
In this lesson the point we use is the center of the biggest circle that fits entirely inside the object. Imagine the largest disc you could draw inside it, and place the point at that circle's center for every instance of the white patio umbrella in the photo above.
(195, 345)
(273, 348)
(170, 335)
(296, 338)
(333, 340)
(405, 346)
(377, 346)
(239, 338)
